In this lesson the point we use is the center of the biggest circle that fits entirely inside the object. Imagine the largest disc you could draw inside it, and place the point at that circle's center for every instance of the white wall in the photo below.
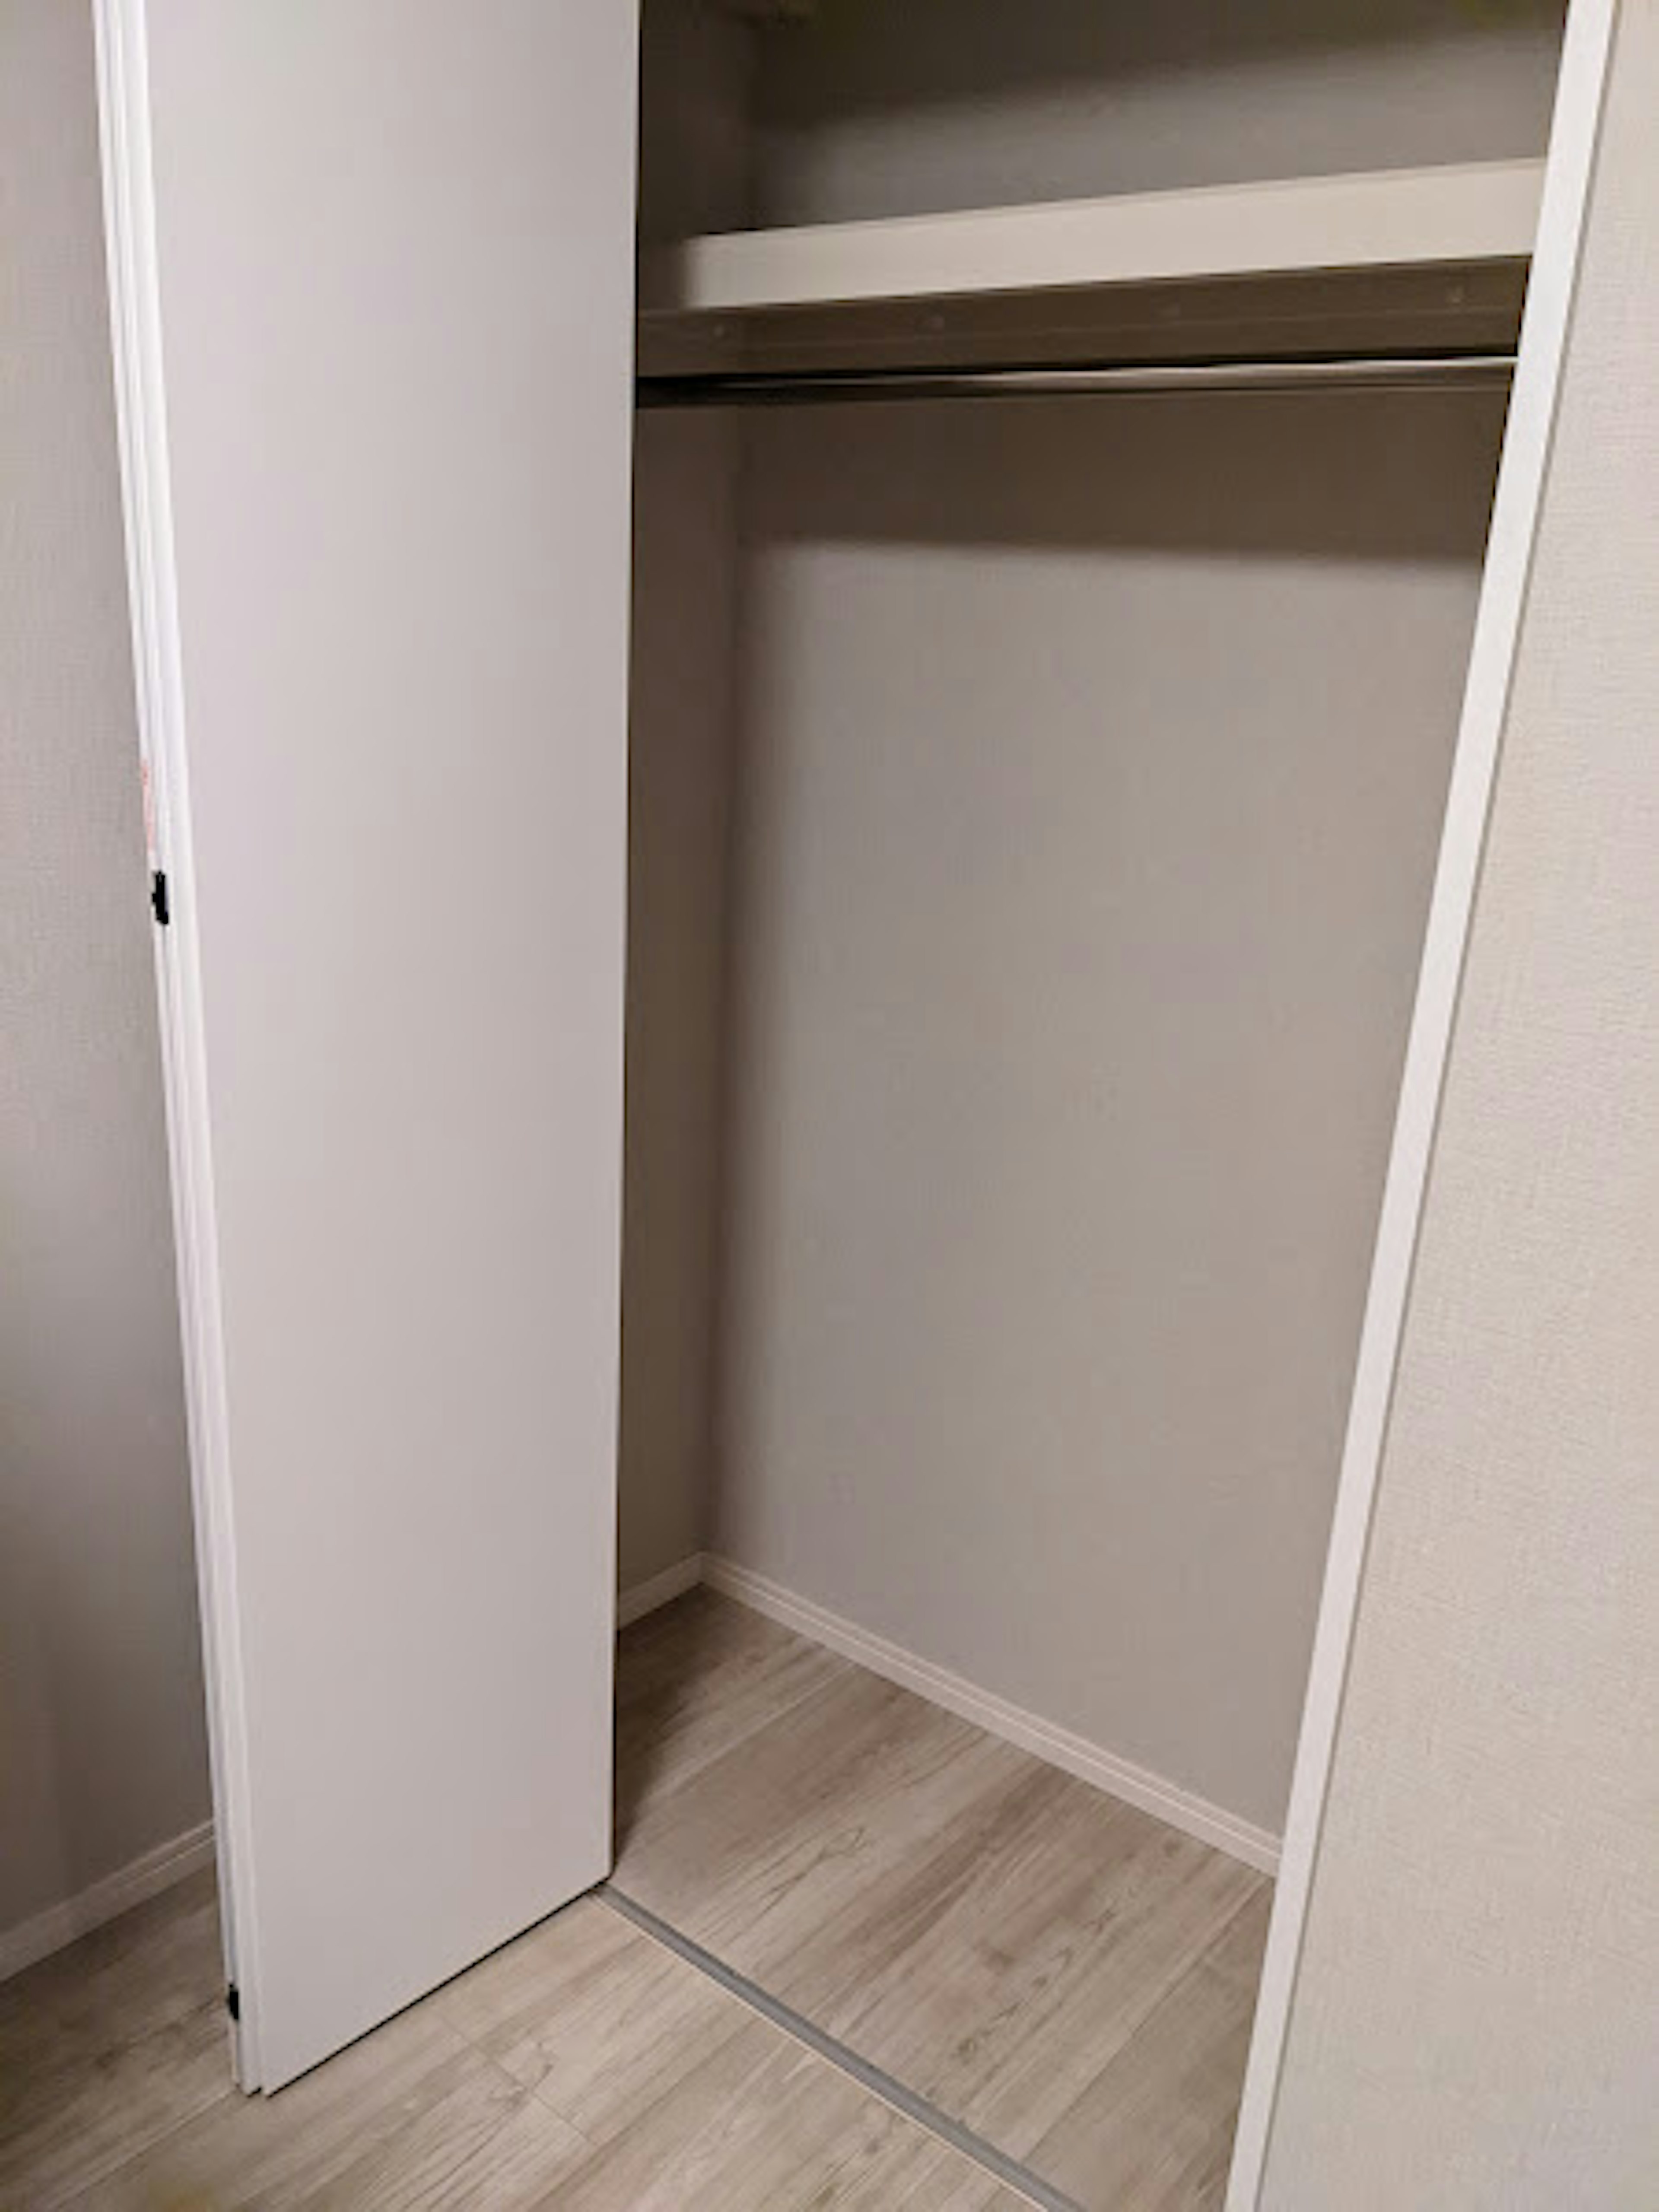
(1473, 2022)
(1091, 766)
(101, 1744)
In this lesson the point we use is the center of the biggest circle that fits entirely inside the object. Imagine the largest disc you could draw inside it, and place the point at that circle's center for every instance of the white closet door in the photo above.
(372, 263)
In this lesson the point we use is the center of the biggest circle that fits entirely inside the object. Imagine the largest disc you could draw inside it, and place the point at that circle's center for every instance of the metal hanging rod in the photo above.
(1381, 373)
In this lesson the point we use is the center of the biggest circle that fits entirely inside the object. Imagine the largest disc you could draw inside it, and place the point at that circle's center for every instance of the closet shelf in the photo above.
(1313, 268)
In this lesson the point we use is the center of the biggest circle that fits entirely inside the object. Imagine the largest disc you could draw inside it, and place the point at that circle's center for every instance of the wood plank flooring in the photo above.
(1067, 1977)
(1061, 1973)
(583, 2068)
(110, 2045)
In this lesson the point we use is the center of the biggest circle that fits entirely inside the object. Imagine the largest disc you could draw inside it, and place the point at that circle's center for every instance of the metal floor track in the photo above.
(998, 2164)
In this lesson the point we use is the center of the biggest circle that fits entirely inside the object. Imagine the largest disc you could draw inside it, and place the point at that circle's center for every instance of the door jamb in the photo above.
(141, 419)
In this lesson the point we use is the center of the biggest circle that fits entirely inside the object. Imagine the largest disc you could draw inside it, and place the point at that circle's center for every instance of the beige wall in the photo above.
(1476, 2020)
(867, 110)
(1093, 761)
(694, 74)
(1089, 777)
(101, 1743)
(680, 722)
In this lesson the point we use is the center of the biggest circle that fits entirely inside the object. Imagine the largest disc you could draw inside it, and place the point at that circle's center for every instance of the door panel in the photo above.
(381, 257)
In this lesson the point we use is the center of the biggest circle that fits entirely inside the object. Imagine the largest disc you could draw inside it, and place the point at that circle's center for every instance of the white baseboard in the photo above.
(158, 1870)
(146, 1876)
(1119, 1778)
(645, 1597)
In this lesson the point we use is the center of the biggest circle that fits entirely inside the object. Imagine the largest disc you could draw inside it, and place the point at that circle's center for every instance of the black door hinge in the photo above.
(158, 897)
(233, 2001)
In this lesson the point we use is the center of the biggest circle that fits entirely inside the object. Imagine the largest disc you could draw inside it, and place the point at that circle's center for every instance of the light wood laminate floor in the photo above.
(1067, 1977)
(583, 2068)
(1064, 1975)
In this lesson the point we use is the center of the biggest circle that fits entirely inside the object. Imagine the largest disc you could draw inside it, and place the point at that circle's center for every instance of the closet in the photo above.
(1066, 748)
(1034, 736)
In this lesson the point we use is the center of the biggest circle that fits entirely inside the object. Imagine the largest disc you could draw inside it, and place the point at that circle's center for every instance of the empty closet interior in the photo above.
(1035, 794)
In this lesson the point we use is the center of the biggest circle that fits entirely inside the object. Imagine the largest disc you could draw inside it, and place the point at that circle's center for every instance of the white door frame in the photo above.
(1527, 444)
(146, 509)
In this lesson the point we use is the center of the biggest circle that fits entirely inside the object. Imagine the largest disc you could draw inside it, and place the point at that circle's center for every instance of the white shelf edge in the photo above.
(1473, 211)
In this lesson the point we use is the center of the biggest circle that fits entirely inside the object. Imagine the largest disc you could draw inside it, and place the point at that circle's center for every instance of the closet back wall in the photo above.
(1093, 755)
(871, 107)
(1091, 760)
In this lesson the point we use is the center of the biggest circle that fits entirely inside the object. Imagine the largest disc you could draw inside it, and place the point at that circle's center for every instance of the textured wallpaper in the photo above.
(1476, 2025)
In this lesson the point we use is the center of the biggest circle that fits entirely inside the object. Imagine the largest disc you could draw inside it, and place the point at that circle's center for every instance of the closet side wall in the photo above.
(1093, 760)
(102, 1750)
(1474, 2019)
(695, 68)
(679, 770)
